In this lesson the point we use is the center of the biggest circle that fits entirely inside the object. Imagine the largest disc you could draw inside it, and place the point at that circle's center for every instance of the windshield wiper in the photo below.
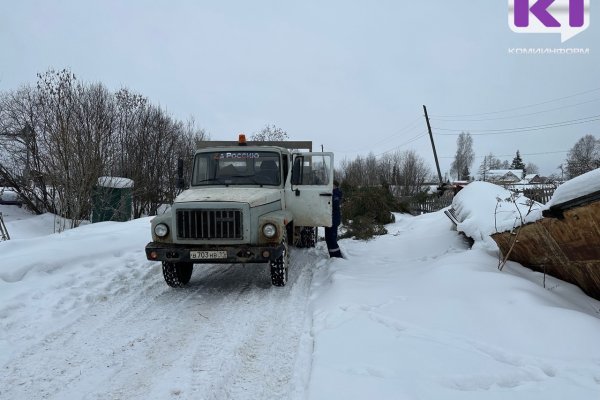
(218, 180)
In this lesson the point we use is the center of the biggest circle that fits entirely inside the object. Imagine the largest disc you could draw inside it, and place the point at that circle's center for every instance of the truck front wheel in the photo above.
(279, 266)
(177, 274)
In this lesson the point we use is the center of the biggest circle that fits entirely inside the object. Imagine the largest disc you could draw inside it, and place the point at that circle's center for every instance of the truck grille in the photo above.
(209, 224)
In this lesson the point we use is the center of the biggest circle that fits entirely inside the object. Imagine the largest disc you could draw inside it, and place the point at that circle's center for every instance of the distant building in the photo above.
(531, 179)
(504, 176)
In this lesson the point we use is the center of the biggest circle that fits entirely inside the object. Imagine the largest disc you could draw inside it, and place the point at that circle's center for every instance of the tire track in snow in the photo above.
(229, 334)
(93, 341)
(258, 360)
(65, 352)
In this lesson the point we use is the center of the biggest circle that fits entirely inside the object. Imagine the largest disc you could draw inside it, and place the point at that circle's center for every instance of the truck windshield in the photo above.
(237, 168)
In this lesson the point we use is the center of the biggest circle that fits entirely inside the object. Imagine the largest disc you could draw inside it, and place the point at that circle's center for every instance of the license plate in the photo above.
(208, 255)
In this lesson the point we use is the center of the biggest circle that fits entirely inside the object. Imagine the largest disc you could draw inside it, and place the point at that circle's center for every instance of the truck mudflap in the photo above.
(156, 251)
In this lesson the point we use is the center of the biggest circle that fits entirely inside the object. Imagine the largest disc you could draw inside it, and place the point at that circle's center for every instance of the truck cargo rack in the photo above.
(286, 144)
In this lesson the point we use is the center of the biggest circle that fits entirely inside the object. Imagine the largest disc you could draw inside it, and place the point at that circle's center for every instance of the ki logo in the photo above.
(567, 17)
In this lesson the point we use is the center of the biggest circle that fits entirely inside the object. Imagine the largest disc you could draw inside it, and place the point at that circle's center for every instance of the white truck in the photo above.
(246, 203)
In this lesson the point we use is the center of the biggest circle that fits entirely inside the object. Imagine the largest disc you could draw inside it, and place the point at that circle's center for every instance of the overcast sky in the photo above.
(349, 75)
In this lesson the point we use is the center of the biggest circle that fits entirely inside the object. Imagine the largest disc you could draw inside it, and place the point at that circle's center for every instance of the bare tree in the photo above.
(412, 173)
(464, 157)
(489, 162)
(532, 168)
(59, 137)
(405, 171)
(75, 132)
(371, 175)
(353, 172)
(494, 162)
(584, 156)
(129, 107)
(270, 133)
(19, 161)
(387, 168)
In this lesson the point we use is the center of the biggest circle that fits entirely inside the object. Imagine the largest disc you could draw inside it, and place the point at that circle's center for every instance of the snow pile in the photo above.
(8, 195)
(115, 182)
(21, 224)
(576, 187)
(483, 209)
(416, 315)
(66, 250)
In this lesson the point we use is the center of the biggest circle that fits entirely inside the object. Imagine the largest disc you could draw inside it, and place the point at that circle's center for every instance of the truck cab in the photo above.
(247, 202)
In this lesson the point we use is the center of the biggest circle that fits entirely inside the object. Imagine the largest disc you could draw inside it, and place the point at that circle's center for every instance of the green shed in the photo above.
(112, 199)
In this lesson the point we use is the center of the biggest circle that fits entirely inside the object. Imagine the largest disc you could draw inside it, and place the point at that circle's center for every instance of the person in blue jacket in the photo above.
(336, 219)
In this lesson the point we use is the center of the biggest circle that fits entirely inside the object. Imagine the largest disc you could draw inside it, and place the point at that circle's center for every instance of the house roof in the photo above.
(499, 173)
(502, 172)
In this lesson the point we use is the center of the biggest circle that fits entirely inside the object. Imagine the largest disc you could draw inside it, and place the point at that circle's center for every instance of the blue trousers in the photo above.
(331, 239)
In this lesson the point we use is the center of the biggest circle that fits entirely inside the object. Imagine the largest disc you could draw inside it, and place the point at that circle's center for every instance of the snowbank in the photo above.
(8, 195)
(115, 182)
(416, 315)
(483, 209)
(576, 187)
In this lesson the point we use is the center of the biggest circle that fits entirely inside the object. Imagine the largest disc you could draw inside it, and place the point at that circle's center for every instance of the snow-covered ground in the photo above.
(414, 314)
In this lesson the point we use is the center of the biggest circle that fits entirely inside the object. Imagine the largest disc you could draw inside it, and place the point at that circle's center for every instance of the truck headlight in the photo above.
(269, 230)
(161, 230)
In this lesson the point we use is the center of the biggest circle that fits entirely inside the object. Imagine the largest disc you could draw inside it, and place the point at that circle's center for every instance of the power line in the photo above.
(522, 154)
(483, 132)
(515, 116)
(403, 144)
(406, 128)
(517, 108)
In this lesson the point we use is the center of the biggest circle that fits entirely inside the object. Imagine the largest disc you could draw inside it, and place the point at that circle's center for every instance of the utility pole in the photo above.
(437, 163)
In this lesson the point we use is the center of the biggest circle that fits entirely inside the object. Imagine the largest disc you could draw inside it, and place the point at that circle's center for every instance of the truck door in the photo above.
(311, 185)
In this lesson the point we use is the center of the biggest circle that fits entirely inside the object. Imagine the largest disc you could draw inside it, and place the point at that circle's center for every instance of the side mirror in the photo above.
(180, 180)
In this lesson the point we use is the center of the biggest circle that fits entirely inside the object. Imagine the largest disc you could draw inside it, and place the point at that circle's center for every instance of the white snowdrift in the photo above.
(415, 315)
(115, 182)
(483, 209)
(576, 187)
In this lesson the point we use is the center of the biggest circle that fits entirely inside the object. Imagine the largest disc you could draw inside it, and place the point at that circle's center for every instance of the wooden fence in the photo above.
(429, 204)
(539, 194)
(432, 203)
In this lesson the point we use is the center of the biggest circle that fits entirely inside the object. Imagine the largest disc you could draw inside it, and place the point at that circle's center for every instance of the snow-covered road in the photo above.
(119, 332)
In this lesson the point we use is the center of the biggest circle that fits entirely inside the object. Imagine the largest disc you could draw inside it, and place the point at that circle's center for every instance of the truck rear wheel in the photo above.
(308, 236)
(280, 266)
(305, 237)
(177, 274)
